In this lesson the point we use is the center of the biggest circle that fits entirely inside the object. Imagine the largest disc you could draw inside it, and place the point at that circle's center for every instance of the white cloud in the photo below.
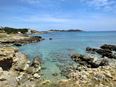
(107, 4)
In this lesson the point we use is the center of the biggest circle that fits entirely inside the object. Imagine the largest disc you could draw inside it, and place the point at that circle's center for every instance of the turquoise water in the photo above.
(56, 53)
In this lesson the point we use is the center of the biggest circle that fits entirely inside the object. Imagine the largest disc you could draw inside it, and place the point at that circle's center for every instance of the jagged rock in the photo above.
(89, 61)
(109, 47)
(81, 59)
(104, 62)
(104, 52)
(76, 57)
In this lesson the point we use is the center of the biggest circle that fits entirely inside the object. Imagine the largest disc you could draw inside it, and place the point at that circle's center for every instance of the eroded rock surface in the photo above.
(88, 77)
(14, 69)
(94, 71)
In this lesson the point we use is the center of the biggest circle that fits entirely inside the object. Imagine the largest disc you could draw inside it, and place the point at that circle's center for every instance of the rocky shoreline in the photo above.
(106, 54)
(16, 70)
(86, 73)
(13, 40)
(95, 69)
(92, 70)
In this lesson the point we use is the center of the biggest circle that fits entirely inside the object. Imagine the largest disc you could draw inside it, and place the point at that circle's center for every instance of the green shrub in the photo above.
(9, 30)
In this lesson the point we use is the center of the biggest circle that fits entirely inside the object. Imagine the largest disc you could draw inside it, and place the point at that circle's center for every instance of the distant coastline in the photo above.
(69, 30)
(9, 30)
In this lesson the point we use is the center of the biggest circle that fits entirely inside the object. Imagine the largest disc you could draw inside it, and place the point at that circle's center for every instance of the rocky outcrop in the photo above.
(109, 47)
(104, 76)
(31, 39)
(92, 70)
(105, 51)
(20, 42)
(89, 61)
(89, 77)
(16, 70)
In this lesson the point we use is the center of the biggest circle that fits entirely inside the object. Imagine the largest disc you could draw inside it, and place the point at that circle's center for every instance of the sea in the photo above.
(55, 54)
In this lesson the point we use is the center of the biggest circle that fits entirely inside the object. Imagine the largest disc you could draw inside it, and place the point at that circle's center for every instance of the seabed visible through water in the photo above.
(55, 53)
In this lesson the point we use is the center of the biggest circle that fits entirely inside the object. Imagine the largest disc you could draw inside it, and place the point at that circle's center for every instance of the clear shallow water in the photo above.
(56, 53)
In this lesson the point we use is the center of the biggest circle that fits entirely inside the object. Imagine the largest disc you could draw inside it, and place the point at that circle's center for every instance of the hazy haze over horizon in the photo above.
(88, 15)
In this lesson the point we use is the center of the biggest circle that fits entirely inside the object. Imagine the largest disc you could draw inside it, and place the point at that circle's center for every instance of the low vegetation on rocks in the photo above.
(10, 30)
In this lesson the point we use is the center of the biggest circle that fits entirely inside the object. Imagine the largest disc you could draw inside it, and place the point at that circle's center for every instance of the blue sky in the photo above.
(89, 15)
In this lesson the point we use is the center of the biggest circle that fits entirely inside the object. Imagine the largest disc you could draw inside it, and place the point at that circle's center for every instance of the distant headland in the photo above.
(10, 30)
(69, 30)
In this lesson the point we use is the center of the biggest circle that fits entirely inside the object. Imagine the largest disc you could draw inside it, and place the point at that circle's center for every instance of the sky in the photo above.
(88, 15)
